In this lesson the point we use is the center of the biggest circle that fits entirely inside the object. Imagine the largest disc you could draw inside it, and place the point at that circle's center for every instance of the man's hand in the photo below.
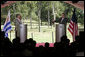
(53, 21)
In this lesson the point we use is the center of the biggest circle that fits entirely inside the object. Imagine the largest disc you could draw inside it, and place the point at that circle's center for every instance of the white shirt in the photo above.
(62, 19)
(19, 20)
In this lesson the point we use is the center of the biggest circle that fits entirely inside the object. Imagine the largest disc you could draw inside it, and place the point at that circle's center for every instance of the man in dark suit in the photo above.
(62, 20)
(17, 24)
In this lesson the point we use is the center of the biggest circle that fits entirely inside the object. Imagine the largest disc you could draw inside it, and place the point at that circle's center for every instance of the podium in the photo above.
(23, 32)
(59, 32)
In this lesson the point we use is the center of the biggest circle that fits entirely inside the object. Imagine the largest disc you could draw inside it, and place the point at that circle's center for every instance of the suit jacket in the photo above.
(64, 21)
(17, 27)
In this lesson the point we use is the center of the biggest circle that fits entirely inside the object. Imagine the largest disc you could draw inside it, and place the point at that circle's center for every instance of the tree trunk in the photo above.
(39, 14)
(30, 22)
(48, 19)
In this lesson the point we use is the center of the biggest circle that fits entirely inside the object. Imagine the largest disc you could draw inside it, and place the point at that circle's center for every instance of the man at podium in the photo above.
(17, 25)
(62, 20)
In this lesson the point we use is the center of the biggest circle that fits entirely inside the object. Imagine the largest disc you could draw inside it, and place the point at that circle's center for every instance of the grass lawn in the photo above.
(44, 36)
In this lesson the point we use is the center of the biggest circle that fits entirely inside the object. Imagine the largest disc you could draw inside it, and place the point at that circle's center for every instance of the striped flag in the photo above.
(73, 26)
(7, 25)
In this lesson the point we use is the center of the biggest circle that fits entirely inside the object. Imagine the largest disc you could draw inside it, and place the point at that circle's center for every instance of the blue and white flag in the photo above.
(7, 25)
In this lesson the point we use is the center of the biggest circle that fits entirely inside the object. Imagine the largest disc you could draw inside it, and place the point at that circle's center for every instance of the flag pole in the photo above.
(10, 35)
(14, 16)
(10, 31)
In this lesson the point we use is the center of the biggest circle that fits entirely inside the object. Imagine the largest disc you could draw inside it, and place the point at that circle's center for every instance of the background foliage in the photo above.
(30, 9)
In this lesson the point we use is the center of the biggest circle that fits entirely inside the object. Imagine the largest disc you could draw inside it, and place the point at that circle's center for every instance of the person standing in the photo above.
(62, 20)
(17, 24)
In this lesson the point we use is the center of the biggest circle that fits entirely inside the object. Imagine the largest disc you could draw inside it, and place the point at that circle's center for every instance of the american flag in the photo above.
(73, 26)
(7, 25)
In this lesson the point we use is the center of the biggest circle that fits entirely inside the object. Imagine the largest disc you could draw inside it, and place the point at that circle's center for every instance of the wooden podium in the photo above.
(23, 32)
(59, 32)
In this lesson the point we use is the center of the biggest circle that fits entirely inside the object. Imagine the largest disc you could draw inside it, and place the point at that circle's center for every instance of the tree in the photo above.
(30, 9)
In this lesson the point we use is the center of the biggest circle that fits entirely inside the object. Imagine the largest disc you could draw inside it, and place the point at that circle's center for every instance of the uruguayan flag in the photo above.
(7, 25)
